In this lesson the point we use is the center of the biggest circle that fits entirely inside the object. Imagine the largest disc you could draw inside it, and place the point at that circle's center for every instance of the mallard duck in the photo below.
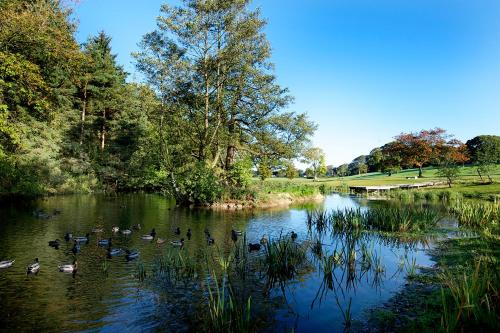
(188, 234)
(7, 263)
(34, 267)
(69, 268)
(55, 243)
(104, 242)
(97, 230)
(132, 254)
(210, 241)
(263, 240)
(294, 235)
(68, 236)
(253, 247)
(126, 232)
(114, 252)
(76, 248)
(177, 231)
(115, 229)
(237, 232)
(147, 237)
(82, 239)
(160, 241)
(179, 243)
(137, 226)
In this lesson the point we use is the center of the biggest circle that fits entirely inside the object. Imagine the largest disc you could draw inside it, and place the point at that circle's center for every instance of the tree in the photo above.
(484, 151)
(264, 169)
(362, 168)
(316, 158)
(343, 170)
(290, 171)
(208, 62)
(375, 160)
(449, 170)
(418, 149)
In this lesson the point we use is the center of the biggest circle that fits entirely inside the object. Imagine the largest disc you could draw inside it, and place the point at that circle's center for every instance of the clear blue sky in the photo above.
(363, 70)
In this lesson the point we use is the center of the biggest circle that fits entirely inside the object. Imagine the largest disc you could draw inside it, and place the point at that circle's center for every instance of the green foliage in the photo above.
(198, 185)
(290, 171)
(450, 171)
(240, 173)
(264, 169)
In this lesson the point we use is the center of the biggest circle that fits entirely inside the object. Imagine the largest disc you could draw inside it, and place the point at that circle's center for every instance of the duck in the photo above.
(126, 232)
(151, 235)
(207, 233)
(34, 267)
(188, 234)
(294, 235)
(7, 263)
(114, 252)
(177, 231)
(69, 268)
(82, 239)
(76, 248)
(104, 242)
(263, 240)
(210, 240)
(97, 230)
(55, 243)
(68, 236)
(160, 241)
(234, 236)
(179, 243)
(132, 254)
(237, 232)
(253, 247)
(137, 226)
(115, 229)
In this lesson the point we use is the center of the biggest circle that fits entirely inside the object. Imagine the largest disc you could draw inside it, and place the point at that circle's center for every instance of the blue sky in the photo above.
(363, 70)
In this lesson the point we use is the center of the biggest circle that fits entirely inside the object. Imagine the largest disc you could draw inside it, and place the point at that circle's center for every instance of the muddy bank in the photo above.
(274, 200)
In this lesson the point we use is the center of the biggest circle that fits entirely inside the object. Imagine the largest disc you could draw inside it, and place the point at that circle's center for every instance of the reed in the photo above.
(140, 271)
(476, 214)
(471, 299)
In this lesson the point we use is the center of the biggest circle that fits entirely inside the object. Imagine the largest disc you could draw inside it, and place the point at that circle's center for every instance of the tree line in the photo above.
(434, 147)
(210, 109)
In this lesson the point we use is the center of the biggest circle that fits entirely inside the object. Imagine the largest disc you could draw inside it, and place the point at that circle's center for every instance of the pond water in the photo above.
(118, 301)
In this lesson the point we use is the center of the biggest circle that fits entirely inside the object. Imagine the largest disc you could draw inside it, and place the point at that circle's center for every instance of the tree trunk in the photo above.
(230, 154)
(83, 113)
(420, 172)
(480, 176)
(103, 130)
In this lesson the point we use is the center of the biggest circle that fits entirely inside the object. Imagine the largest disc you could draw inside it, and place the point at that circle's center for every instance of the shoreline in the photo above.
(278, 200)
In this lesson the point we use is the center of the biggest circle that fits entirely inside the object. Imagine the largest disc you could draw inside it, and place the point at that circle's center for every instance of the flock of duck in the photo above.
(130, 254)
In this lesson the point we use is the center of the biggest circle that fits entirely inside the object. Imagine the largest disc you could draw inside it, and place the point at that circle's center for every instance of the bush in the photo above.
(200, 186)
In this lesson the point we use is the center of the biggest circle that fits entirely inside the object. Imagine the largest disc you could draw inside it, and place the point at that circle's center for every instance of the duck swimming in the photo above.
(69, 268)
(82, 239)
(151, 235)
(132, 254)
(294, 235)
(126, 232)
(54, 243)
(263, 240)
(210, 240)
(178, 243)
(97, 230)
(114, 252)
(160, 241)
(34, 267)
(177, 231)
(137, 226)
(7, 263)
(253, 247)
(234, 235)
(68, 236)
(104, 242)
(76, 248)
(115, 229)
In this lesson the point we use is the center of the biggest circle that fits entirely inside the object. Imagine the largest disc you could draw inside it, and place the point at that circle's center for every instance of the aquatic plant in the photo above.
(140, 271)
(476, 214)
(105, 267)
(346, 314)
(471, 299)
(282, 259)
(225, 314)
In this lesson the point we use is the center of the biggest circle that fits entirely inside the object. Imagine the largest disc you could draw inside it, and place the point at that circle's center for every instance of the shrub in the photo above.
(199, 186)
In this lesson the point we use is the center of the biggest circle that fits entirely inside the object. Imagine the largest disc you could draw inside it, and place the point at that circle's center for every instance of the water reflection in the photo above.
(345, 274)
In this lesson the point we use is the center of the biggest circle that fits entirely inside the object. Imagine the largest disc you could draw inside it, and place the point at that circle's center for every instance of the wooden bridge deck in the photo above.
(382, 188)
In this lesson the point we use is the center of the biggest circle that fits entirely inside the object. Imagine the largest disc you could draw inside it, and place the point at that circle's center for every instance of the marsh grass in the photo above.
(476, 214)
(471, 299)
(282, 259)
(140, 271)
(174, 266)
(225, 314)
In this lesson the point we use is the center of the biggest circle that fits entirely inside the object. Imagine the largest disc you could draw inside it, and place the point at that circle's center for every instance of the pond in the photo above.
(118, 301)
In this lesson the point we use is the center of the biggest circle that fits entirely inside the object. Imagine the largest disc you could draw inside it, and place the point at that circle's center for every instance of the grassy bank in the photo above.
(467, 185)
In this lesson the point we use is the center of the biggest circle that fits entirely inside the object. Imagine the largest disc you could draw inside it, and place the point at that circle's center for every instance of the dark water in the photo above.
(91, 300)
